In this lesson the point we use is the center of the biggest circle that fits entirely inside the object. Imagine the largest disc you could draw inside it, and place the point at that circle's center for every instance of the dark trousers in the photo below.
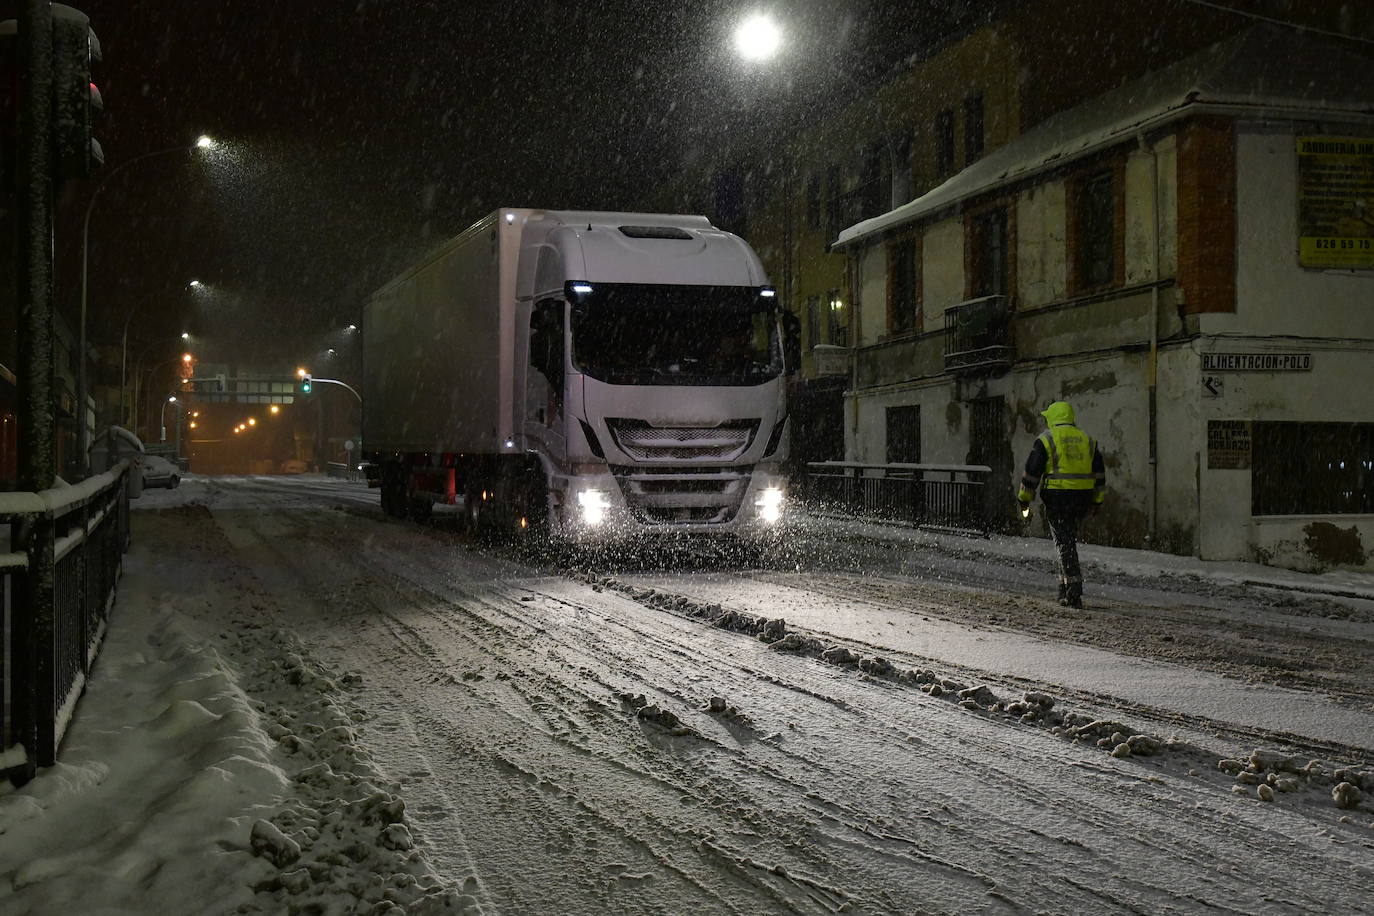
(1064, 512)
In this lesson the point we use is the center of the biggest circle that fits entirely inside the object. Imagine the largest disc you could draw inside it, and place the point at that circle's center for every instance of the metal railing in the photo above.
(60, 561)
(978, 334)
(947, 496)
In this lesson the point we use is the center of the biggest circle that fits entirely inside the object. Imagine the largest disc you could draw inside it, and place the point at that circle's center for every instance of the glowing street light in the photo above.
(195, 284)
(302, 373)
(757, 38)
(203, 143)
(252, 421)
(275, 409)
(187, 357)
(185, 335)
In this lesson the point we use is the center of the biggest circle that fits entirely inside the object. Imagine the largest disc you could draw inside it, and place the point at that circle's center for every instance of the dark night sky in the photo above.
(359, 133)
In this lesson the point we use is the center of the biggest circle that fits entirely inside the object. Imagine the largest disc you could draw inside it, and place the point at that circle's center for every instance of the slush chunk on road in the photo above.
(1346, 796)
(273, 845)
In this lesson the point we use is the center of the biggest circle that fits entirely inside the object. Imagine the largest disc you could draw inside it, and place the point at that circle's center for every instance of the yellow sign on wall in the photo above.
(1336, 202)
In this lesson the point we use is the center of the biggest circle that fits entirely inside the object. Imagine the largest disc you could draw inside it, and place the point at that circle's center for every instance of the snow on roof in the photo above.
(1262, 68)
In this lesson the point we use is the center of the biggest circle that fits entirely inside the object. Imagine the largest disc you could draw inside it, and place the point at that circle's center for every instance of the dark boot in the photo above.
(1073, 596)
(1063, 593)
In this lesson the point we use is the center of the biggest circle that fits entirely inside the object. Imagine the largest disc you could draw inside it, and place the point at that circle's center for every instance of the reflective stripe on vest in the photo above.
(1070, 465)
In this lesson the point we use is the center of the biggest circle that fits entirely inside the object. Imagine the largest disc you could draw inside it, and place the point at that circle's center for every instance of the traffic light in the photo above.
(9, 103)
(76, 100)
(305, 383)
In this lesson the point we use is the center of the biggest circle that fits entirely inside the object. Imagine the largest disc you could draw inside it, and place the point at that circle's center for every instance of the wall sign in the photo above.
(1228, 445)
(1256, 362)
(1336, 202)
(1214, 386)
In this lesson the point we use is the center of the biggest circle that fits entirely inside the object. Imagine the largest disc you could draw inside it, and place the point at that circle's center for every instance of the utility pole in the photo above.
(33, 626)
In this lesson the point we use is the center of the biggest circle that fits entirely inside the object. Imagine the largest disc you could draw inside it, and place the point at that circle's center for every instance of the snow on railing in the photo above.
(60, 566)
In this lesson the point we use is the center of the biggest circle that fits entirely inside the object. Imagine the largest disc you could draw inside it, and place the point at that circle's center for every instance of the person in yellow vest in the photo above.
(1066, 467)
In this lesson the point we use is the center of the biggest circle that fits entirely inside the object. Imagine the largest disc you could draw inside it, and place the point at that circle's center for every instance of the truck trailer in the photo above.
(582, 375)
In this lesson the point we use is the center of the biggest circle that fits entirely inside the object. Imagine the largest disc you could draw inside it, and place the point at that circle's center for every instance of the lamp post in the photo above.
(139, 393)
(203, 142)
(162, 417)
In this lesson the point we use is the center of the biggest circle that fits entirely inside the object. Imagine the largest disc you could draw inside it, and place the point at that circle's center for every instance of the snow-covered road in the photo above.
(609, 739)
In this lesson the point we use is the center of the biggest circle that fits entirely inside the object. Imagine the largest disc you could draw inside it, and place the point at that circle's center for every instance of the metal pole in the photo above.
(81, 383)
(34, 695)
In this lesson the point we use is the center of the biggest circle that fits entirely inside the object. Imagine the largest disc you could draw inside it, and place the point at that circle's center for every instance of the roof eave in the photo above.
(1260, 110)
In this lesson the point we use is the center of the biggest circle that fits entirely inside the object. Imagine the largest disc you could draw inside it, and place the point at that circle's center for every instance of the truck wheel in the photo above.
(474, 508)
(532, 511)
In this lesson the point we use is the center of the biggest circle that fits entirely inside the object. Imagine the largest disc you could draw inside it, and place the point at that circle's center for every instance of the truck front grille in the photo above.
(643, 442)
(660, 496)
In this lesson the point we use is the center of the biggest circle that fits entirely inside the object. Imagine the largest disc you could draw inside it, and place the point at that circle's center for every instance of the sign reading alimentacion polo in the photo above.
(1336, 202)
(1256, 362)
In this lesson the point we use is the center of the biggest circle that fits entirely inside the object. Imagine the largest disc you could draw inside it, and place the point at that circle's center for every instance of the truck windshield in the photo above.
(648, 334)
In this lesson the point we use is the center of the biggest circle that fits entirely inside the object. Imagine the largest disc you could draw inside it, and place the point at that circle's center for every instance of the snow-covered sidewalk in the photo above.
(176, 793)
(1139, 564)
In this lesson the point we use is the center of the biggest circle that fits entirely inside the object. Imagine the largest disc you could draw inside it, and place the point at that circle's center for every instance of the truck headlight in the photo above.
(593, 504)
(769, 504)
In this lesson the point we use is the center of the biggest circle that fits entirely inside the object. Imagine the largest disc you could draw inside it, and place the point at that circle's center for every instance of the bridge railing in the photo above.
(945, 496)
(61, 555)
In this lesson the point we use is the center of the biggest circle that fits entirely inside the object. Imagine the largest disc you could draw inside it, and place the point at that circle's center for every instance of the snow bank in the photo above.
(159, 778)
(211, 780)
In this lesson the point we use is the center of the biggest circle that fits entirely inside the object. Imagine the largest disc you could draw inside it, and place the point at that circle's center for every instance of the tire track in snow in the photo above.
(597, 632)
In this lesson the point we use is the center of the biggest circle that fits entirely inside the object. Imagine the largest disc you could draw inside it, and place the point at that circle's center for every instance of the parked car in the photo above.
(294, 466)
(159, 472)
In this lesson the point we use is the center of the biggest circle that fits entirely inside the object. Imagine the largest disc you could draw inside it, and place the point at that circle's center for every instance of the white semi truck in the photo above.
(585, 375)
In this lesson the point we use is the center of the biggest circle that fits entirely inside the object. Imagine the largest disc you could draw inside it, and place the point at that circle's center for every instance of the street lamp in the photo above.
(162, 417)
(757, 38)
(203, 142)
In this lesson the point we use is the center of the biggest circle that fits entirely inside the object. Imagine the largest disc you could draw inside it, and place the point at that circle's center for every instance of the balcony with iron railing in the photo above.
(978, 336)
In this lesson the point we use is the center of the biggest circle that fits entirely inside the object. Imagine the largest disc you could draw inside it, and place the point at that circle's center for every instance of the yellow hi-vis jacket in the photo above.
(1070, 460)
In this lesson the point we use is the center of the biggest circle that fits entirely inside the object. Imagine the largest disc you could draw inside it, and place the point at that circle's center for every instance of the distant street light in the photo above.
(162, 417)
(195, 284)
(757, 38)
(204, 143)
(185, 335)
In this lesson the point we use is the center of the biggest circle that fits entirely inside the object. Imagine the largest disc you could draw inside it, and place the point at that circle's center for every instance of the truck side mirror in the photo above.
(791, 343)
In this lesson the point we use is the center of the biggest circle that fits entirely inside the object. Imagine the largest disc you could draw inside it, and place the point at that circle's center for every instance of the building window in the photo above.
(1095, 244)
(813, 202)
(973, 128)
(903, 305)
(904, 435)
(900, 184)
(837, 326)
(1312, 469)
(871, 184)
(988, 247)
(813, 320)
(987, 436)
(944, 142)
(731, 212)
(834, 202)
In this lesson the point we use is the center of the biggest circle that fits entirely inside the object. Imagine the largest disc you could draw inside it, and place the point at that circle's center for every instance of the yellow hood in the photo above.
(1057, 413)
